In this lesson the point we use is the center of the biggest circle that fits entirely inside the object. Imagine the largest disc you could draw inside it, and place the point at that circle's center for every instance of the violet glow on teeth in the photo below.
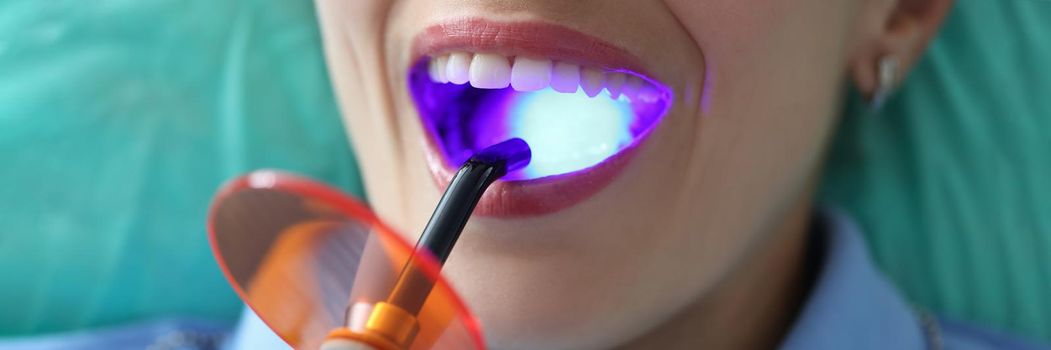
(567, 131)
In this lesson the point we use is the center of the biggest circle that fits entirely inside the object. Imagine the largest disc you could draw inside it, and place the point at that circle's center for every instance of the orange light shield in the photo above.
(309, 259)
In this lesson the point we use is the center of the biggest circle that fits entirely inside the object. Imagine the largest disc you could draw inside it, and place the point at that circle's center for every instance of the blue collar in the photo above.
(852, 305)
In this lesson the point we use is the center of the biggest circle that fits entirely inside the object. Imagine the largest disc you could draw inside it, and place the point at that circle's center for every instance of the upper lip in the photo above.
(524, 38)
(537, 39)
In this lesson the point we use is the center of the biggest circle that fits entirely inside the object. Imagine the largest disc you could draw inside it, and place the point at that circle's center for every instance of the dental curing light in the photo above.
(392, 324)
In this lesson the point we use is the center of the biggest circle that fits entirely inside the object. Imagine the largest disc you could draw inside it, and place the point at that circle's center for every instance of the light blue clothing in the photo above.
(252, 334)
(172, 334)
(851, 306)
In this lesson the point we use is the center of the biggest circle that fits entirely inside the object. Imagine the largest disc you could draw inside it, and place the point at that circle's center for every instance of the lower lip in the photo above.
(538, 196)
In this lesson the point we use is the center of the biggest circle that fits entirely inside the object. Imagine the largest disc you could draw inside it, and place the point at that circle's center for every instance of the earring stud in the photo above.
(887, 79)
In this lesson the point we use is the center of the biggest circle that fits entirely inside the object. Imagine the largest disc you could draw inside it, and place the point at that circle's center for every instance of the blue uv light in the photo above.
(569, 132)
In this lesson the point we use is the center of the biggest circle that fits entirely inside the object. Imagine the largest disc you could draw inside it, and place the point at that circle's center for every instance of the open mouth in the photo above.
(573, 117)
(582, 104)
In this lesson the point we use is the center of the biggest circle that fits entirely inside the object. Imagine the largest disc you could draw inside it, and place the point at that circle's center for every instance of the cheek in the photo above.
(774, 73)
(353, 34)
(779, 48)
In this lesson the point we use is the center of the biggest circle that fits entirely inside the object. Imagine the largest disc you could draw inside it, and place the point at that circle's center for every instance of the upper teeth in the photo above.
(491, 71)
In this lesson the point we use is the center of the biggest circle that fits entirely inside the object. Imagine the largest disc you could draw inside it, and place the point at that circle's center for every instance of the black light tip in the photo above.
(513, 154)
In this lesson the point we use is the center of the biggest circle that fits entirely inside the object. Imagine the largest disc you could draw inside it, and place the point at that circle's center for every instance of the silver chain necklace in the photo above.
(930, 329)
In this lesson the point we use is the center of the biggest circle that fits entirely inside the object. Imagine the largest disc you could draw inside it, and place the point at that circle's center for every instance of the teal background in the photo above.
(951, 181)
(120, 118)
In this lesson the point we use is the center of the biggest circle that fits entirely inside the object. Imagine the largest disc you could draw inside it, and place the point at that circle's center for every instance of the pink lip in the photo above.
(539, 196)
(523, 38)
(544, 195)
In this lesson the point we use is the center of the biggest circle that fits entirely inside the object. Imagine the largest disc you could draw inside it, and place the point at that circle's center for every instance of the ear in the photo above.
(897, 28)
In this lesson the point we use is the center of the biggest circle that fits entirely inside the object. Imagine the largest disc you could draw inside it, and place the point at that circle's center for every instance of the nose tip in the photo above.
(514, 154)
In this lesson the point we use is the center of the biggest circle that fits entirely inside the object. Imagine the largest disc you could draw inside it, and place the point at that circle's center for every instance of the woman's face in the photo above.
(636, 206)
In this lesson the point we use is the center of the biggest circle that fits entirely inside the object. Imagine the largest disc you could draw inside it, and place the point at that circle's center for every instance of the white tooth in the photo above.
(631, 87)
(457, 68)
(489, 71)
(432, 70)
(530, 74)
(614, 82)
(565, 77)
(591, 81)
(648, 93)
(440, 63)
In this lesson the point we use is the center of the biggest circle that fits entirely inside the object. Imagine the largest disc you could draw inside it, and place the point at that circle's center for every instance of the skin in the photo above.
(700, 241)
